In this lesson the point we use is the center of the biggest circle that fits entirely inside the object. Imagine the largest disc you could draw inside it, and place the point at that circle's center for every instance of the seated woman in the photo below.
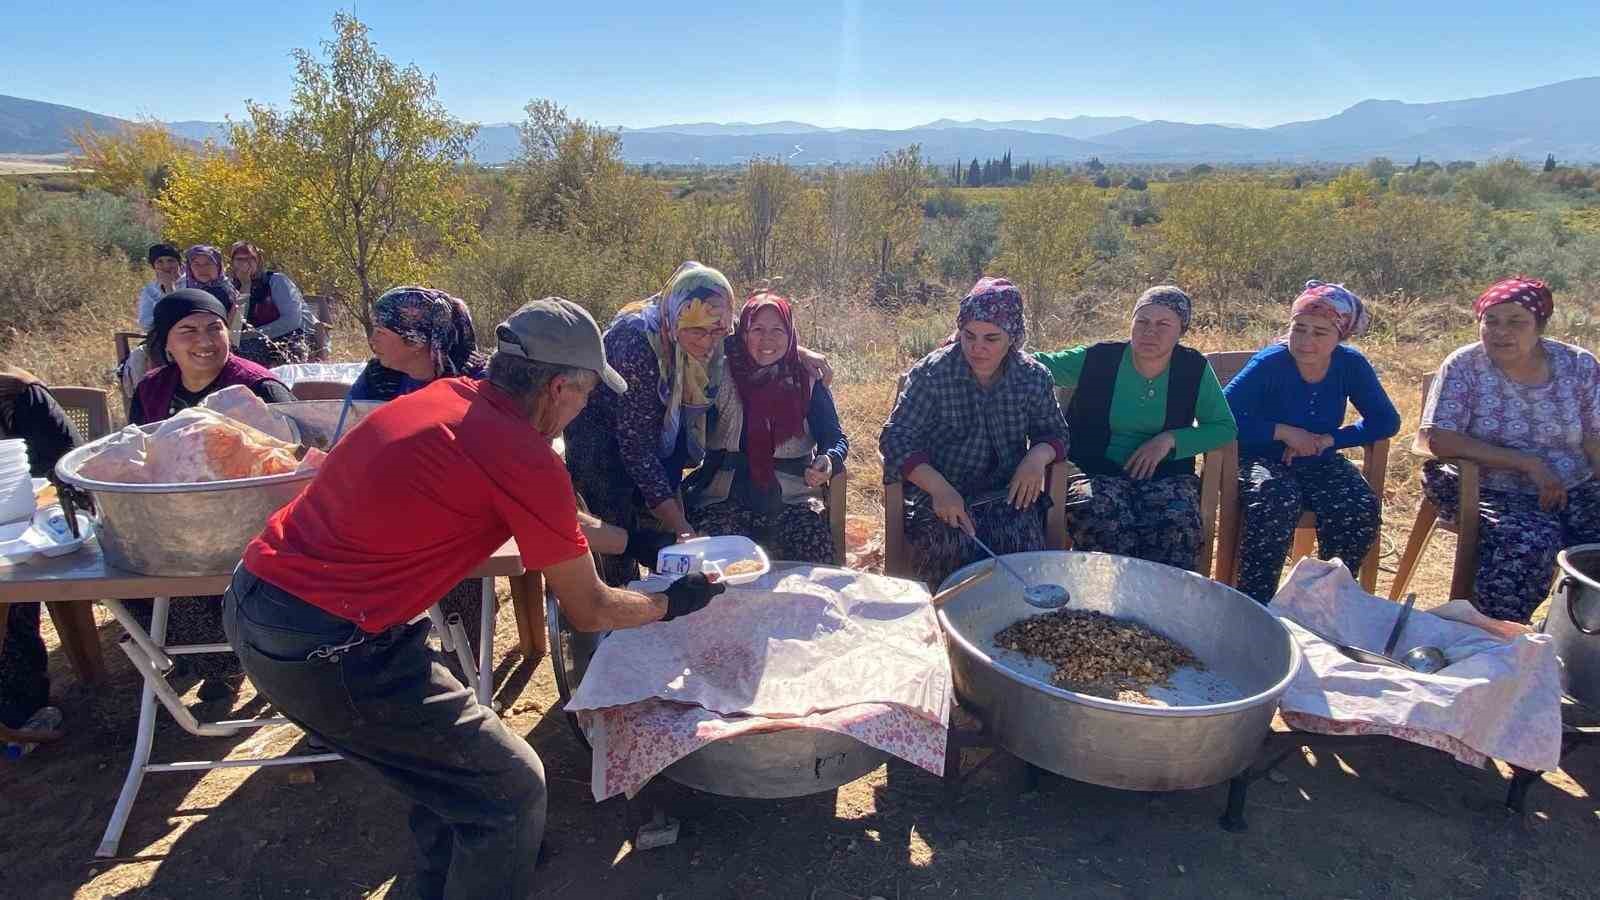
(188, 343)
(973, 432)
(1526, 408)
(627, 452)
(29, 413)
(1289, 402)
(763, 473)
(1141, 411)
(202, 270)
(418, 334)
(277, 326)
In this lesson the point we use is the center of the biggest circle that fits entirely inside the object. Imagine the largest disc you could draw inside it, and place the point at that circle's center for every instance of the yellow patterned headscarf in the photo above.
(696, 296)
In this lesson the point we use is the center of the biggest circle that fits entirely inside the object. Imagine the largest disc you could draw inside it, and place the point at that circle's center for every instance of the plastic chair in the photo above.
(1464, 571)
(1374, 468)
(89, 409)
(896, 557)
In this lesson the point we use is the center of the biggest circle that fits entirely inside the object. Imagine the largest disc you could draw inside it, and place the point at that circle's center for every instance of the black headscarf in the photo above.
(158, 251)
(170, 310)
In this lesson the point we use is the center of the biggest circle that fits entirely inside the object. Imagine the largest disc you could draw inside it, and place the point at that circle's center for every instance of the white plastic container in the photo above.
(713, 555)
(16, 496)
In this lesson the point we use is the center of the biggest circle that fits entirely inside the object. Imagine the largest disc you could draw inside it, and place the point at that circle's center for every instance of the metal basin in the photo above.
(1574, 621)
(791, 762)
(197, 529)
(1218, 719)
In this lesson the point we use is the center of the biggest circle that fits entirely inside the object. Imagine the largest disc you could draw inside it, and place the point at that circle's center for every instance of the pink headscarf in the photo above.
(1335, 303)
(1529, 293)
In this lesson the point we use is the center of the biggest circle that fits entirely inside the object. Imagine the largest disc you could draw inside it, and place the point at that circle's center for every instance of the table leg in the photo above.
(79, 638)
(486, 617)
(527, 601)
(143, 740)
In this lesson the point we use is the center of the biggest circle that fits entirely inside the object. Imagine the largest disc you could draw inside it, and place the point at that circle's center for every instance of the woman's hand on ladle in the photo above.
(951, 509)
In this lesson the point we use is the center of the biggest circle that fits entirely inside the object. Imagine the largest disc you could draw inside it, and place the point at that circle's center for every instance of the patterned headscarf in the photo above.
(430, 318)
(696, 296)
(229, 294)
(775, 398)
(1335, 303)
(1171, 297)
(1529, 293)
(998, 302)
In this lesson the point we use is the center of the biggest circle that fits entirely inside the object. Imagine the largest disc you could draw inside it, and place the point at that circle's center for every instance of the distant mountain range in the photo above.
(1562, 118)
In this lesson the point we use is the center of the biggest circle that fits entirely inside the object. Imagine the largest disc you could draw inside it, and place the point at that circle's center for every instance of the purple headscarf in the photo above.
(430, 318)
(229, 294)
(998, 302)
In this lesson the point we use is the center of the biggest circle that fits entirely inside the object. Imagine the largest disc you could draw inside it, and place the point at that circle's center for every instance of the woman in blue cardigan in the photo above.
(1289, 402)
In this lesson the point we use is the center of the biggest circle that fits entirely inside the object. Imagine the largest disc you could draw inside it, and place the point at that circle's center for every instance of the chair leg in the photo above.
(1421, 531)
(1305, 540)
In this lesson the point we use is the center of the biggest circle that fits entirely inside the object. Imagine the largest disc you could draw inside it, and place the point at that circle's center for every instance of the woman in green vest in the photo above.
(1141, 411)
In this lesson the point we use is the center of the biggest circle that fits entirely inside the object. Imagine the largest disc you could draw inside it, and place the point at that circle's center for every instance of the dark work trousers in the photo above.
(385, 704)
(1273, 495)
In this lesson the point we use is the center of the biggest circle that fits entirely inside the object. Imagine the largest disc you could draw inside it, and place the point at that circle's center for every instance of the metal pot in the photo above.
(1218, 719)
(790, 762)
(1574, 621)
(197, 529)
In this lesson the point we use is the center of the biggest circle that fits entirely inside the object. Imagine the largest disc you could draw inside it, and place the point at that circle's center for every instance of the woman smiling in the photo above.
(763, 473)
(188, 342)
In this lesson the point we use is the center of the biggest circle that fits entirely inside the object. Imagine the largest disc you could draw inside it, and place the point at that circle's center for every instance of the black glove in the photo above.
(645, 544)
(689, 593)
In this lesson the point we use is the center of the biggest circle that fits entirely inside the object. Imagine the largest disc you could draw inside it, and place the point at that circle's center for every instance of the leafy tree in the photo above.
(365, 158)
(769, 188)
(1353, 186)
(134, 162)
(974, 174)
(1550, 162)
(1094, 164)
(1380, 168)
(1226, 235)
(1045, 237)
(1136, 183)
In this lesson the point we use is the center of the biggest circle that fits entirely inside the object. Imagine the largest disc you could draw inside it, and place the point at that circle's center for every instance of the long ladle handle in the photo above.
(949, 593)
(998, 561)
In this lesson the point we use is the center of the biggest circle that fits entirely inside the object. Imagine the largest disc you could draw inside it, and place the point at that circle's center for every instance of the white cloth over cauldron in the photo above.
(806, 647)
(1499, 697)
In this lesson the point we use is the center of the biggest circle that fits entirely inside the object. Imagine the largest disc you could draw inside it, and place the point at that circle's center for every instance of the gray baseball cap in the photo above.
(557, 331)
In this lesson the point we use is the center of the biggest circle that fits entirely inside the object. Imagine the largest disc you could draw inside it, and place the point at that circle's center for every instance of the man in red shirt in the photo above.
(409, 502)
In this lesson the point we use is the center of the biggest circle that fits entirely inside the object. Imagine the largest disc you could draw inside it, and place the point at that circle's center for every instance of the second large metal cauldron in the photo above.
(1112, 743)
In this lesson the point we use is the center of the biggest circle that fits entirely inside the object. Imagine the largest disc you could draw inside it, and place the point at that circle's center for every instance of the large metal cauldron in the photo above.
(792, 762)
(1217, 733)
(1574, 621)
(198, 529)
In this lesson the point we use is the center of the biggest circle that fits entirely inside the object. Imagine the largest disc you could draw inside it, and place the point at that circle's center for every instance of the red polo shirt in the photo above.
(414, 498)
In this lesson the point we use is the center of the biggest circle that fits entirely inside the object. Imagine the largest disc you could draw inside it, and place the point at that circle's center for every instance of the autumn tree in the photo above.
(370, 157)
(1226, 236)
(135, 161)
(1045, 237)
(767, 191)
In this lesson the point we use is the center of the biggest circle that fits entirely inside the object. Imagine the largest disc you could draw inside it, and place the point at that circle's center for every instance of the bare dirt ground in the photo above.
(1390, 821)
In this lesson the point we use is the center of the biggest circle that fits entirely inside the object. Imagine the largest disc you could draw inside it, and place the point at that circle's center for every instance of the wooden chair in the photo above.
(322, 336)
(320, 390)
(1464, 573)
(896, 557)
(1219, 486)
(89, 410)
(835, 501)
(1374, 468)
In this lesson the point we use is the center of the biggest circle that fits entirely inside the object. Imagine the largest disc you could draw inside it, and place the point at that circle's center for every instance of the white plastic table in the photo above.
(84, 577)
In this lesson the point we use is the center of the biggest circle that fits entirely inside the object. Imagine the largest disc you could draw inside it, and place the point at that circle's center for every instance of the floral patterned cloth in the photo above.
(998, 302)
(1470, 395)
(1157, 519)
(634, 743)
(1531, 294)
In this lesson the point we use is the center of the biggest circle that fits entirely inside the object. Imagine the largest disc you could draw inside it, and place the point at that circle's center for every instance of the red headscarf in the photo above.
(1529, 293)
(776, 397)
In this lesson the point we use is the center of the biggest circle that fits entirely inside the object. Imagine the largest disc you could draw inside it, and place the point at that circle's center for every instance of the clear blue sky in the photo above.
(858, 64)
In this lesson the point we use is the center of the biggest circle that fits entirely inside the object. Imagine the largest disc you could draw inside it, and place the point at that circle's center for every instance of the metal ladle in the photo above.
(1425, 659)
(1039, 596)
